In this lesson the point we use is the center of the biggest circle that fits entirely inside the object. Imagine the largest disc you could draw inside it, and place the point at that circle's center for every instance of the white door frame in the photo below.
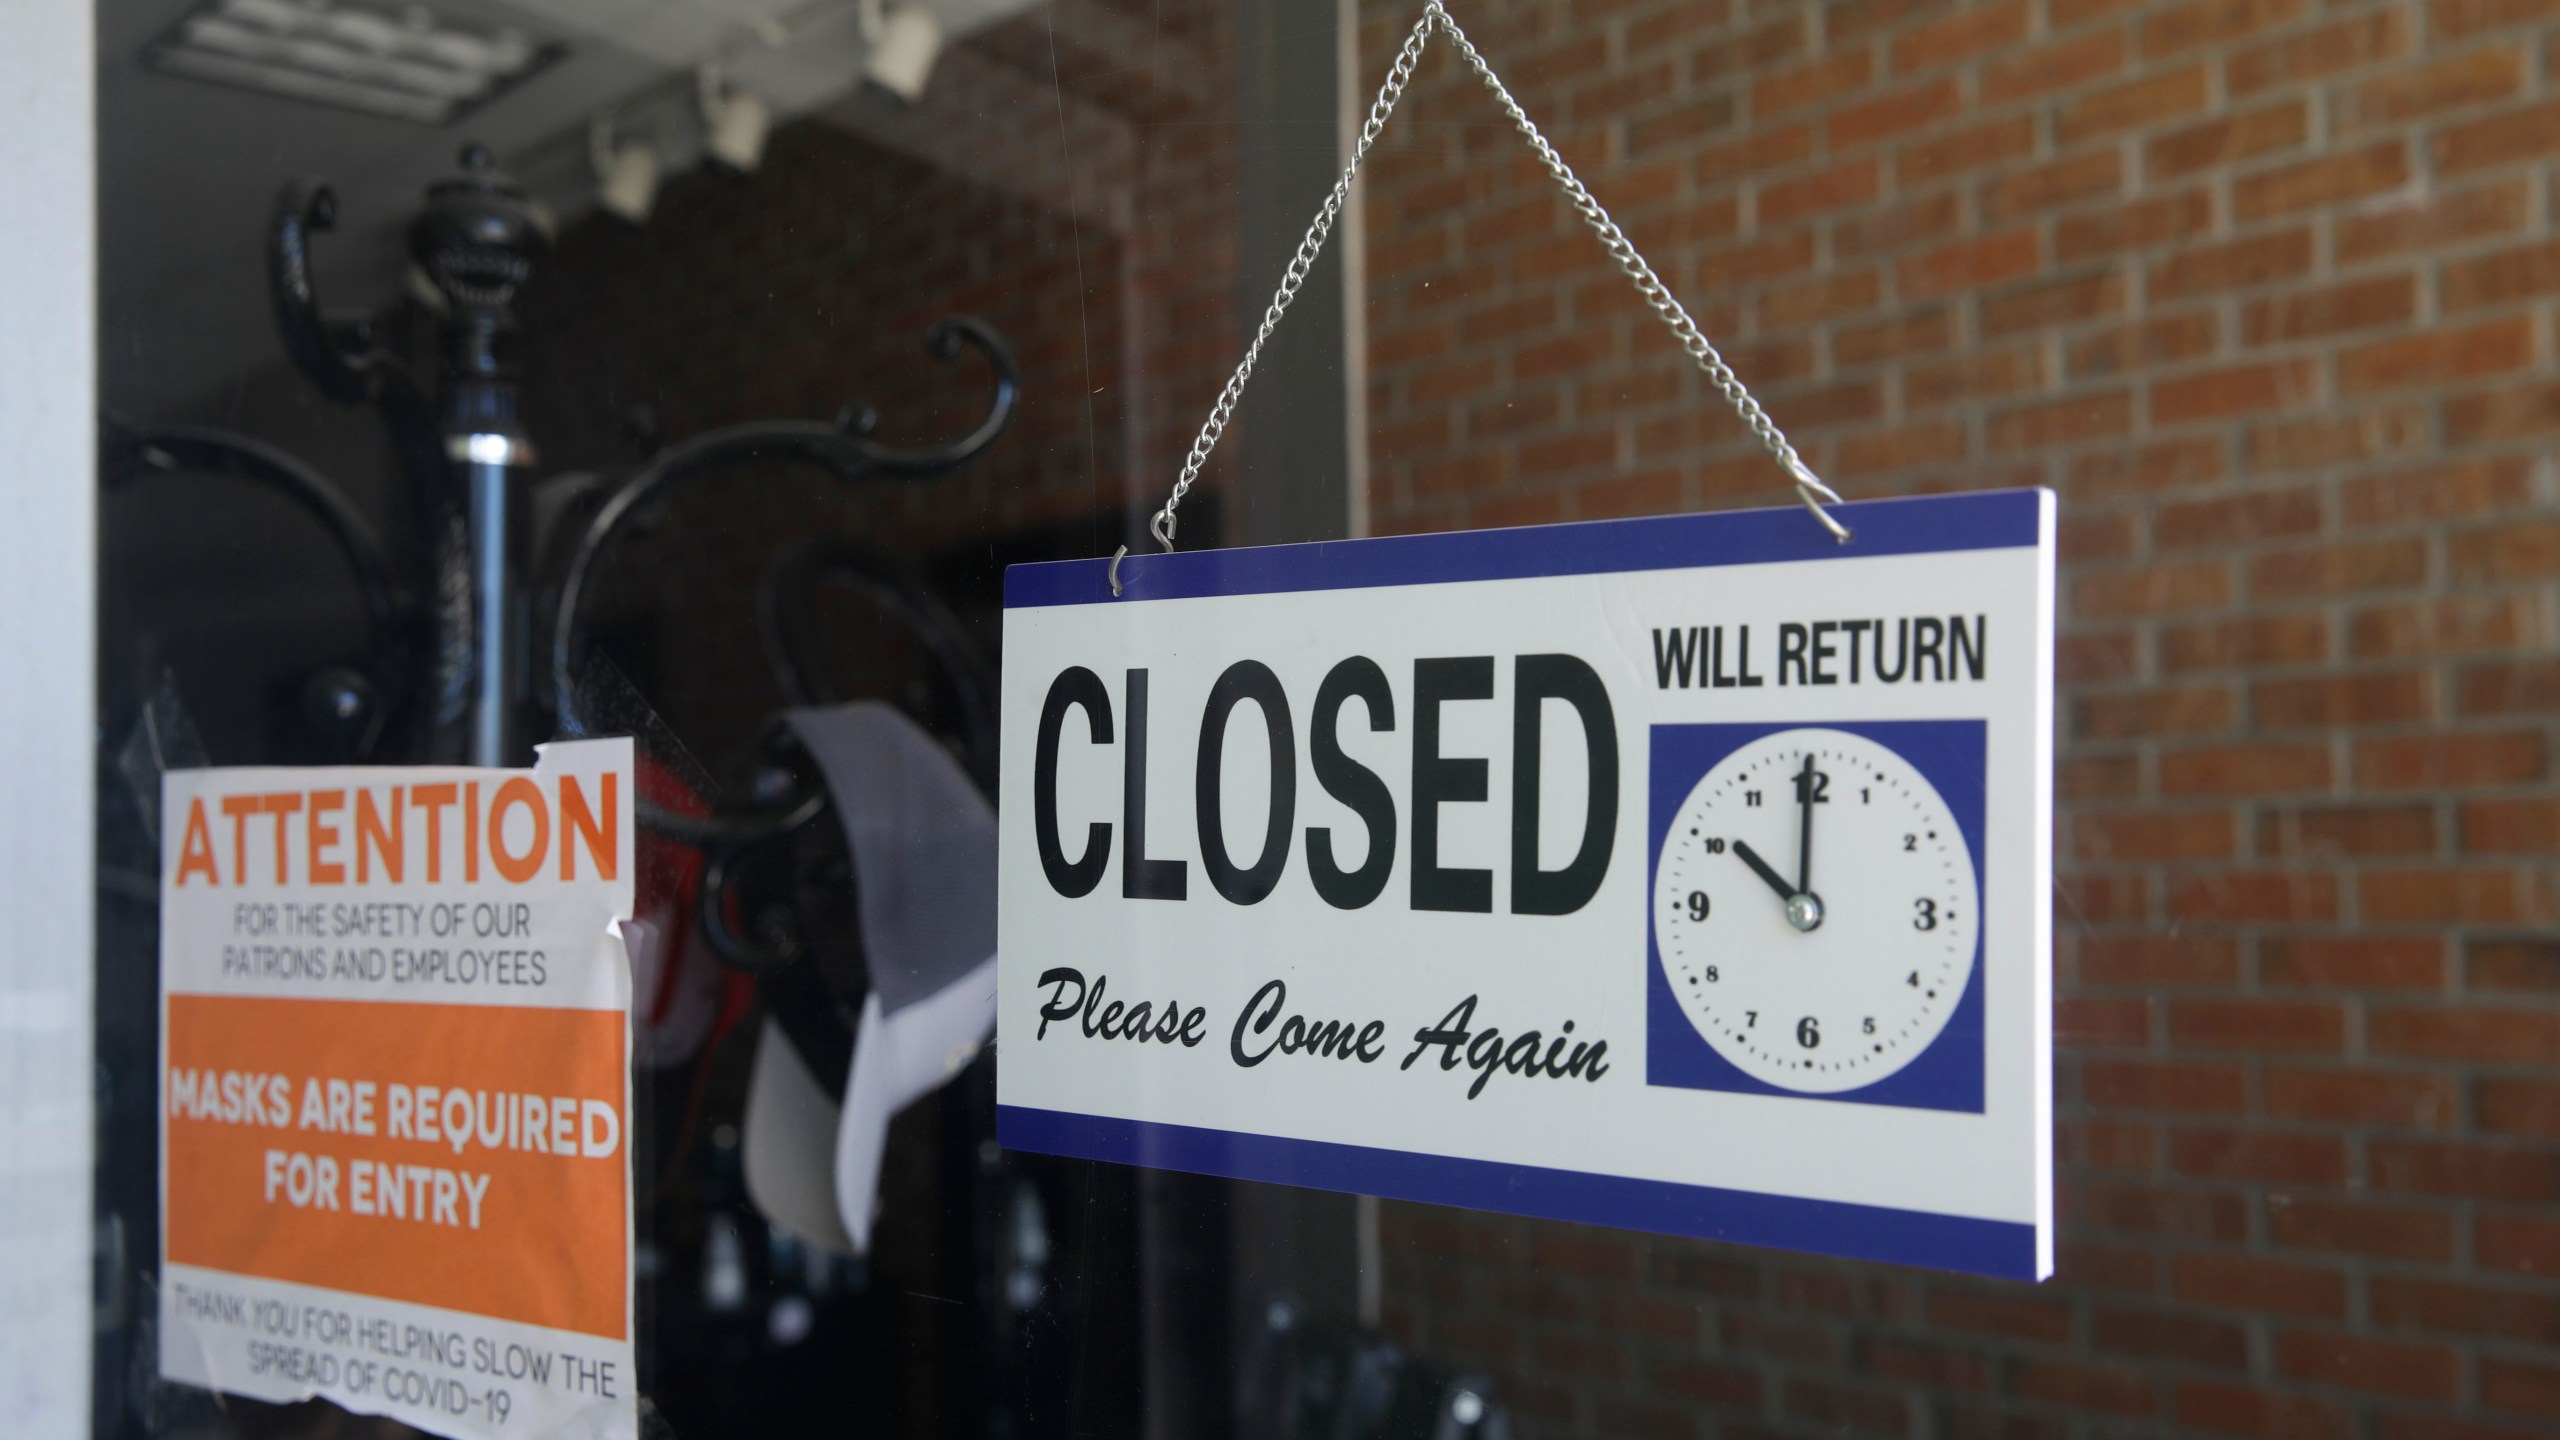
(48, 648)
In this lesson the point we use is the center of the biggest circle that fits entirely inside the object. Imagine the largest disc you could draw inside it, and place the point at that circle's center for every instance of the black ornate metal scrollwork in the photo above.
(465, 455)
(789, 589)
(338, 355)
(757, 950)
(128, 454)
(944, 343)
(451, 601)
(342, 357)
(840, 450)
(765, 944)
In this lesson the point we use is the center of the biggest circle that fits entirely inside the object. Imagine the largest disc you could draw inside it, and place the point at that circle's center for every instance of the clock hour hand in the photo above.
(1761, 868)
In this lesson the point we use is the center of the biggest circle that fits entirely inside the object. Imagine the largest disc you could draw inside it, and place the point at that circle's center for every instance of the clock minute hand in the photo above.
(1761, 868)
(1804, 835)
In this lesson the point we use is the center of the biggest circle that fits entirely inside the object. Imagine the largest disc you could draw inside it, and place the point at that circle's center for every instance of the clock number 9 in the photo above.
(1808, 1033)
(1924, 915)
(1697, 904)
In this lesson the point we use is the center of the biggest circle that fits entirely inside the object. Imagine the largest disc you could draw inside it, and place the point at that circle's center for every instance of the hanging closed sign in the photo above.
(1686, 874)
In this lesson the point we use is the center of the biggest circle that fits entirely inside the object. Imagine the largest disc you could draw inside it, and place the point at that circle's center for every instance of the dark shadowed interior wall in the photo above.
(1104, 253)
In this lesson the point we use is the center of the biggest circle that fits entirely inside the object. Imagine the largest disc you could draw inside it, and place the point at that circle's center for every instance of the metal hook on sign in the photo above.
(1815, 495)
(1162, 527)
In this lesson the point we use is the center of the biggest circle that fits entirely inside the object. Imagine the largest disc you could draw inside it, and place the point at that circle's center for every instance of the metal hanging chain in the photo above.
(1665, 306)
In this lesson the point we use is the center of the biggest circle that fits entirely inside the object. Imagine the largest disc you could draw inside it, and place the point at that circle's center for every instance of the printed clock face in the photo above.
(1814, 910)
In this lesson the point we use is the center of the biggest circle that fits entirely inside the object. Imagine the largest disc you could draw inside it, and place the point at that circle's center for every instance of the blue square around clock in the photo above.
(1908, 759)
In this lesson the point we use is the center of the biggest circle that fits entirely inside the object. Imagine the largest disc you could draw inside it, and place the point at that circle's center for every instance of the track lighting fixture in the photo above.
(734, 124)
(905, 40)
(626, 172)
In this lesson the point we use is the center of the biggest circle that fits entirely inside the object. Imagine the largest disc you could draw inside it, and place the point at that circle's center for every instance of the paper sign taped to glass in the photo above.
(1688, 874)
(395, 1093)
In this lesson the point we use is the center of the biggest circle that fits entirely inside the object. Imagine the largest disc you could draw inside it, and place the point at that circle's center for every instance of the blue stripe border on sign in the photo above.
(2001, 1248)
(1991, 520)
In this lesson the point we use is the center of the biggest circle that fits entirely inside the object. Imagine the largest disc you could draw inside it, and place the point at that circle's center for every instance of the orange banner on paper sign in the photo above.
(415, 1152)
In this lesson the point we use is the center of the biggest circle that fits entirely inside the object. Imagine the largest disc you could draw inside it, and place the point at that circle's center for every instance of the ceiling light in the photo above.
(734, 124)
(405, 62)
(626, 173)
(905, 41)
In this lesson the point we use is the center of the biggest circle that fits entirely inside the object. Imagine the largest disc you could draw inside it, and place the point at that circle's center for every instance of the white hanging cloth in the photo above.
(923, 841)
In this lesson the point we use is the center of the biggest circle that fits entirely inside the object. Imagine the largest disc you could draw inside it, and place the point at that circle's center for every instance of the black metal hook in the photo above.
(788, 796)
(338, 355)
(127, 454)
(789, 587)
(777, 950)
(838, 449)
(765, 945)
(944, 342)
(737, 828)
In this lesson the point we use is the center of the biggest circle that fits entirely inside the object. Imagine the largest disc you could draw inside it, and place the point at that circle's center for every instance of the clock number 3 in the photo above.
(1924, 914)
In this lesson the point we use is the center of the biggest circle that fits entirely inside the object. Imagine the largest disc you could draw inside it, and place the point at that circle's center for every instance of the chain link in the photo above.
(1622, 251)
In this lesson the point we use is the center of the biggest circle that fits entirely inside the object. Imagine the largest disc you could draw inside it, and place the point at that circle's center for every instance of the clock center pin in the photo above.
(1804, 910)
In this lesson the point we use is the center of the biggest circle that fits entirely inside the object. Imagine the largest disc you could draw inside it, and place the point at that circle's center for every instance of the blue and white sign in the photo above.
(1689, 874)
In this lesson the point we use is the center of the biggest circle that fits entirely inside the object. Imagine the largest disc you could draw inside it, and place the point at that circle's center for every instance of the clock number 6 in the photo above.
(1924, 915)
(1808, 1033)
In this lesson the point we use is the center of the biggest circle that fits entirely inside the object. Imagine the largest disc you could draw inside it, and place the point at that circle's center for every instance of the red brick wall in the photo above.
(2264, 288)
